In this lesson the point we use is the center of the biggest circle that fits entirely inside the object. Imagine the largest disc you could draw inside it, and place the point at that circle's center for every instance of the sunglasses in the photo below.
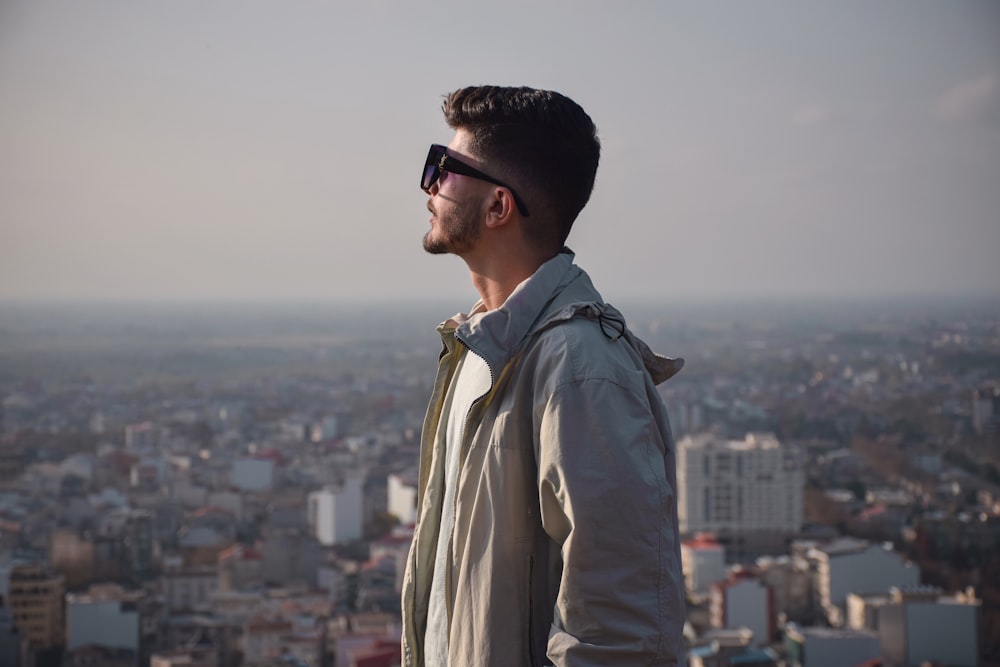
(438, 160)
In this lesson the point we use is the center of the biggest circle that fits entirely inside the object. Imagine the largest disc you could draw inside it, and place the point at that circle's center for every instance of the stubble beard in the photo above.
(456, 230)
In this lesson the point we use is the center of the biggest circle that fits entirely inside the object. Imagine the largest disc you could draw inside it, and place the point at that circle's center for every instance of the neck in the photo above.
(495, 277)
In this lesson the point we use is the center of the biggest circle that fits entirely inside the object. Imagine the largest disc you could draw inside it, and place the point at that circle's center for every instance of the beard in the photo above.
(455, 231)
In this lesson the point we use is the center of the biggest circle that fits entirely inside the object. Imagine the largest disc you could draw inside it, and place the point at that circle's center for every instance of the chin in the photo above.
(434, 246)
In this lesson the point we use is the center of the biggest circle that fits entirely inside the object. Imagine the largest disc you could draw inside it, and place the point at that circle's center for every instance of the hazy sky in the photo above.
(272, 150)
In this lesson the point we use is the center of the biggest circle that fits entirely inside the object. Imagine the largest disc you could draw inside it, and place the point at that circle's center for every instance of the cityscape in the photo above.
(234, 485)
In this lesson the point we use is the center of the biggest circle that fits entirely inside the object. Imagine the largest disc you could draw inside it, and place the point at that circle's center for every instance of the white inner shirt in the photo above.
(472, 379)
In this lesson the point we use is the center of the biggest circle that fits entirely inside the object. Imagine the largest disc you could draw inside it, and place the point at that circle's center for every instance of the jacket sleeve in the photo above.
(607, 498)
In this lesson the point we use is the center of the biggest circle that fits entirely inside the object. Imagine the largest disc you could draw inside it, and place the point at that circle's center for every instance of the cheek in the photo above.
(443, 180)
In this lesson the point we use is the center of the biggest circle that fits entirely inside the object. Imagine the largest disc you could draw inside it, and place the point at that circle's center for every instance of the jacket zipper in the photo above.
(461, 465)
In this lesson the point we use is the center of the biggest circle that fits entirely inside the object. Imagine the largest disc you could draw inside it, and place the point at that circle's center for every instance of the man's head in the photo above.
(540, 145)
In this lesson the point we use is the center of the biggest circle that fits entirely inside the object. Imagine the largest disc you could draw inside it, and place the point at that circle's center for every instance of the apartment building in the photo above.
(744, 601)
(335, 512)
(36, 603)
(921, 625)
(703, 561)
(829, 647)
(749, 493)
(856, 566)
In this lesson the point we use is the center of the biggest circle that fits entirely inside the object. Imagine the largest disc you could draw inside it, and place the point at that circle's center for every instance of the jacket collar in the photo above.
(495, 334)
(557, 291)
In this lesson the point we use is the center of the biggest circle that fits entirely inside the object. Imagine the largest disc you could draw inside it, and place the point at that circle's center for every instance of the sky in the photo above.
(263, 150)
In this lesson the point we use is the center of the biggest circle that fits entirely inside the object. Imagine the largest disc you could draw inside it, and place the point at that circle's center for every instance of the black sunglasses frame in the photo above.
(438, 160)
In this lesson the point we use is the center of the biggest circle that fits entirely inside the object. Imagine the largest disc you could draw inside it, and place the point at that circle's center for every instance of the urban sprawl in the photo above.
(190, 488)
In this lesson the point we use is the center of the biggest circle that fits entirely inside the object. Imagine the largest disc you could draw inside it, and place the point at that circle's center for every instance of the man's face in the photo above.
(456, 205)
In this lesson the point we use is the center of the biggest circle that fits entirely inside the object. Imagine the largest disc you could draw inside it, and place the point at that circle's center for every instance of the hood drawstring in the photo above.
(611, 326)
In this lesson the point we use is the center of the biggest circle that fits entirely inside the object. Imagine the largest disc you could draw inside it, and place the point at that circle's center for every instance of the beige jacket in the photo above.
(565, 548)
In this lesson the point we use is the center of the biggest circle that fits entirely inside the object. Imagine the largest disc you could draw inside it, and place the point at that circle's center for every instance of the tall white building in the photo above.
(401, 501)
(335, 513)
(739, 486)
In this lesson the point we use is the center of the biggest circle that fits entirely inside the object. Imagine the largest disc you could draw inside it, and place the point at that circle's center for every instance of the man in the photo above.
(547, 525)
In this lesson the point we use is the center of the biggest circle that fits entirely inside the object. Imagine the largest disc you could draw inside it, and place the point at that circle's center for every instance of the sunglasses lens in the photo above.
(431, 174)
(432, 171)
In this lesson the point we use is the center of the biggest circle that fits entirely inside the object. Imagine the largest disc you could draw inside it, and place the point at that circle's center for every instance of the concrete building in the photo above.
(270, 640)
(401, 499)
(215, 639)
(72, 556)
(36, 602)
(240, 567)
(744, 601)
(236, 606)
(330, 579)
(829, 647)
(689, 415)
(921, 625)
(703, 561)
(397, 547)
(105, 616)
(749, 493)
(12, 646)
(334, 513)
(140, 436)
(791, 581)
(140, 546)
(325, 429)
(148, 473)
(263, 639)
(120, 544)
(716, 655)
(90, 655)
(290, 556)
(228, 500)
(986, 408)
(862, 610)
(739, 485)
(358, 634)
(11, 459)
(184, 658)
(855, 566)
(253, 475)
(190, 589)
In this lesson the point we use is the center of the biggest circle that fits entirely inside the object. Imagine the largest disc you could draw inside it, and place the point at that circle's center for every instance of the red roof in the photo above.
(702, 541)
(384, 654)
(871, 512)
(210, 509)
(241, 551)
(271, 454)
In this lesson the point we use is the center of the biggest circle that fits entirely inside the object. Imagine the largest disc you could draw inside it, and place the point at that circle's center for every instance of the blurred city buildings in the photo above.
(199, 502)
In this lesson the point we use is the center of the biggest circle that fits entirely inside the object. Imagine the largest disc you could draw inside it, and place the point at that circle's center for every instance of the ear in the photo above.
(502, 208)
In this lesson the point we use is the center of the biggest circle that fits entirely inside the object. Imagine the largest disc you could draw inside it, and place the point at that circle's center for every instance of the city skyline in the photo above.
(245, 152)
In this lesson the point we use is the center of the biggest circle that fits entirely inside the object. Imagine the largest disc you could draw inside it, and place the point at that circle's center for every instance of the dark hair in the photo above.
(543, 143)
